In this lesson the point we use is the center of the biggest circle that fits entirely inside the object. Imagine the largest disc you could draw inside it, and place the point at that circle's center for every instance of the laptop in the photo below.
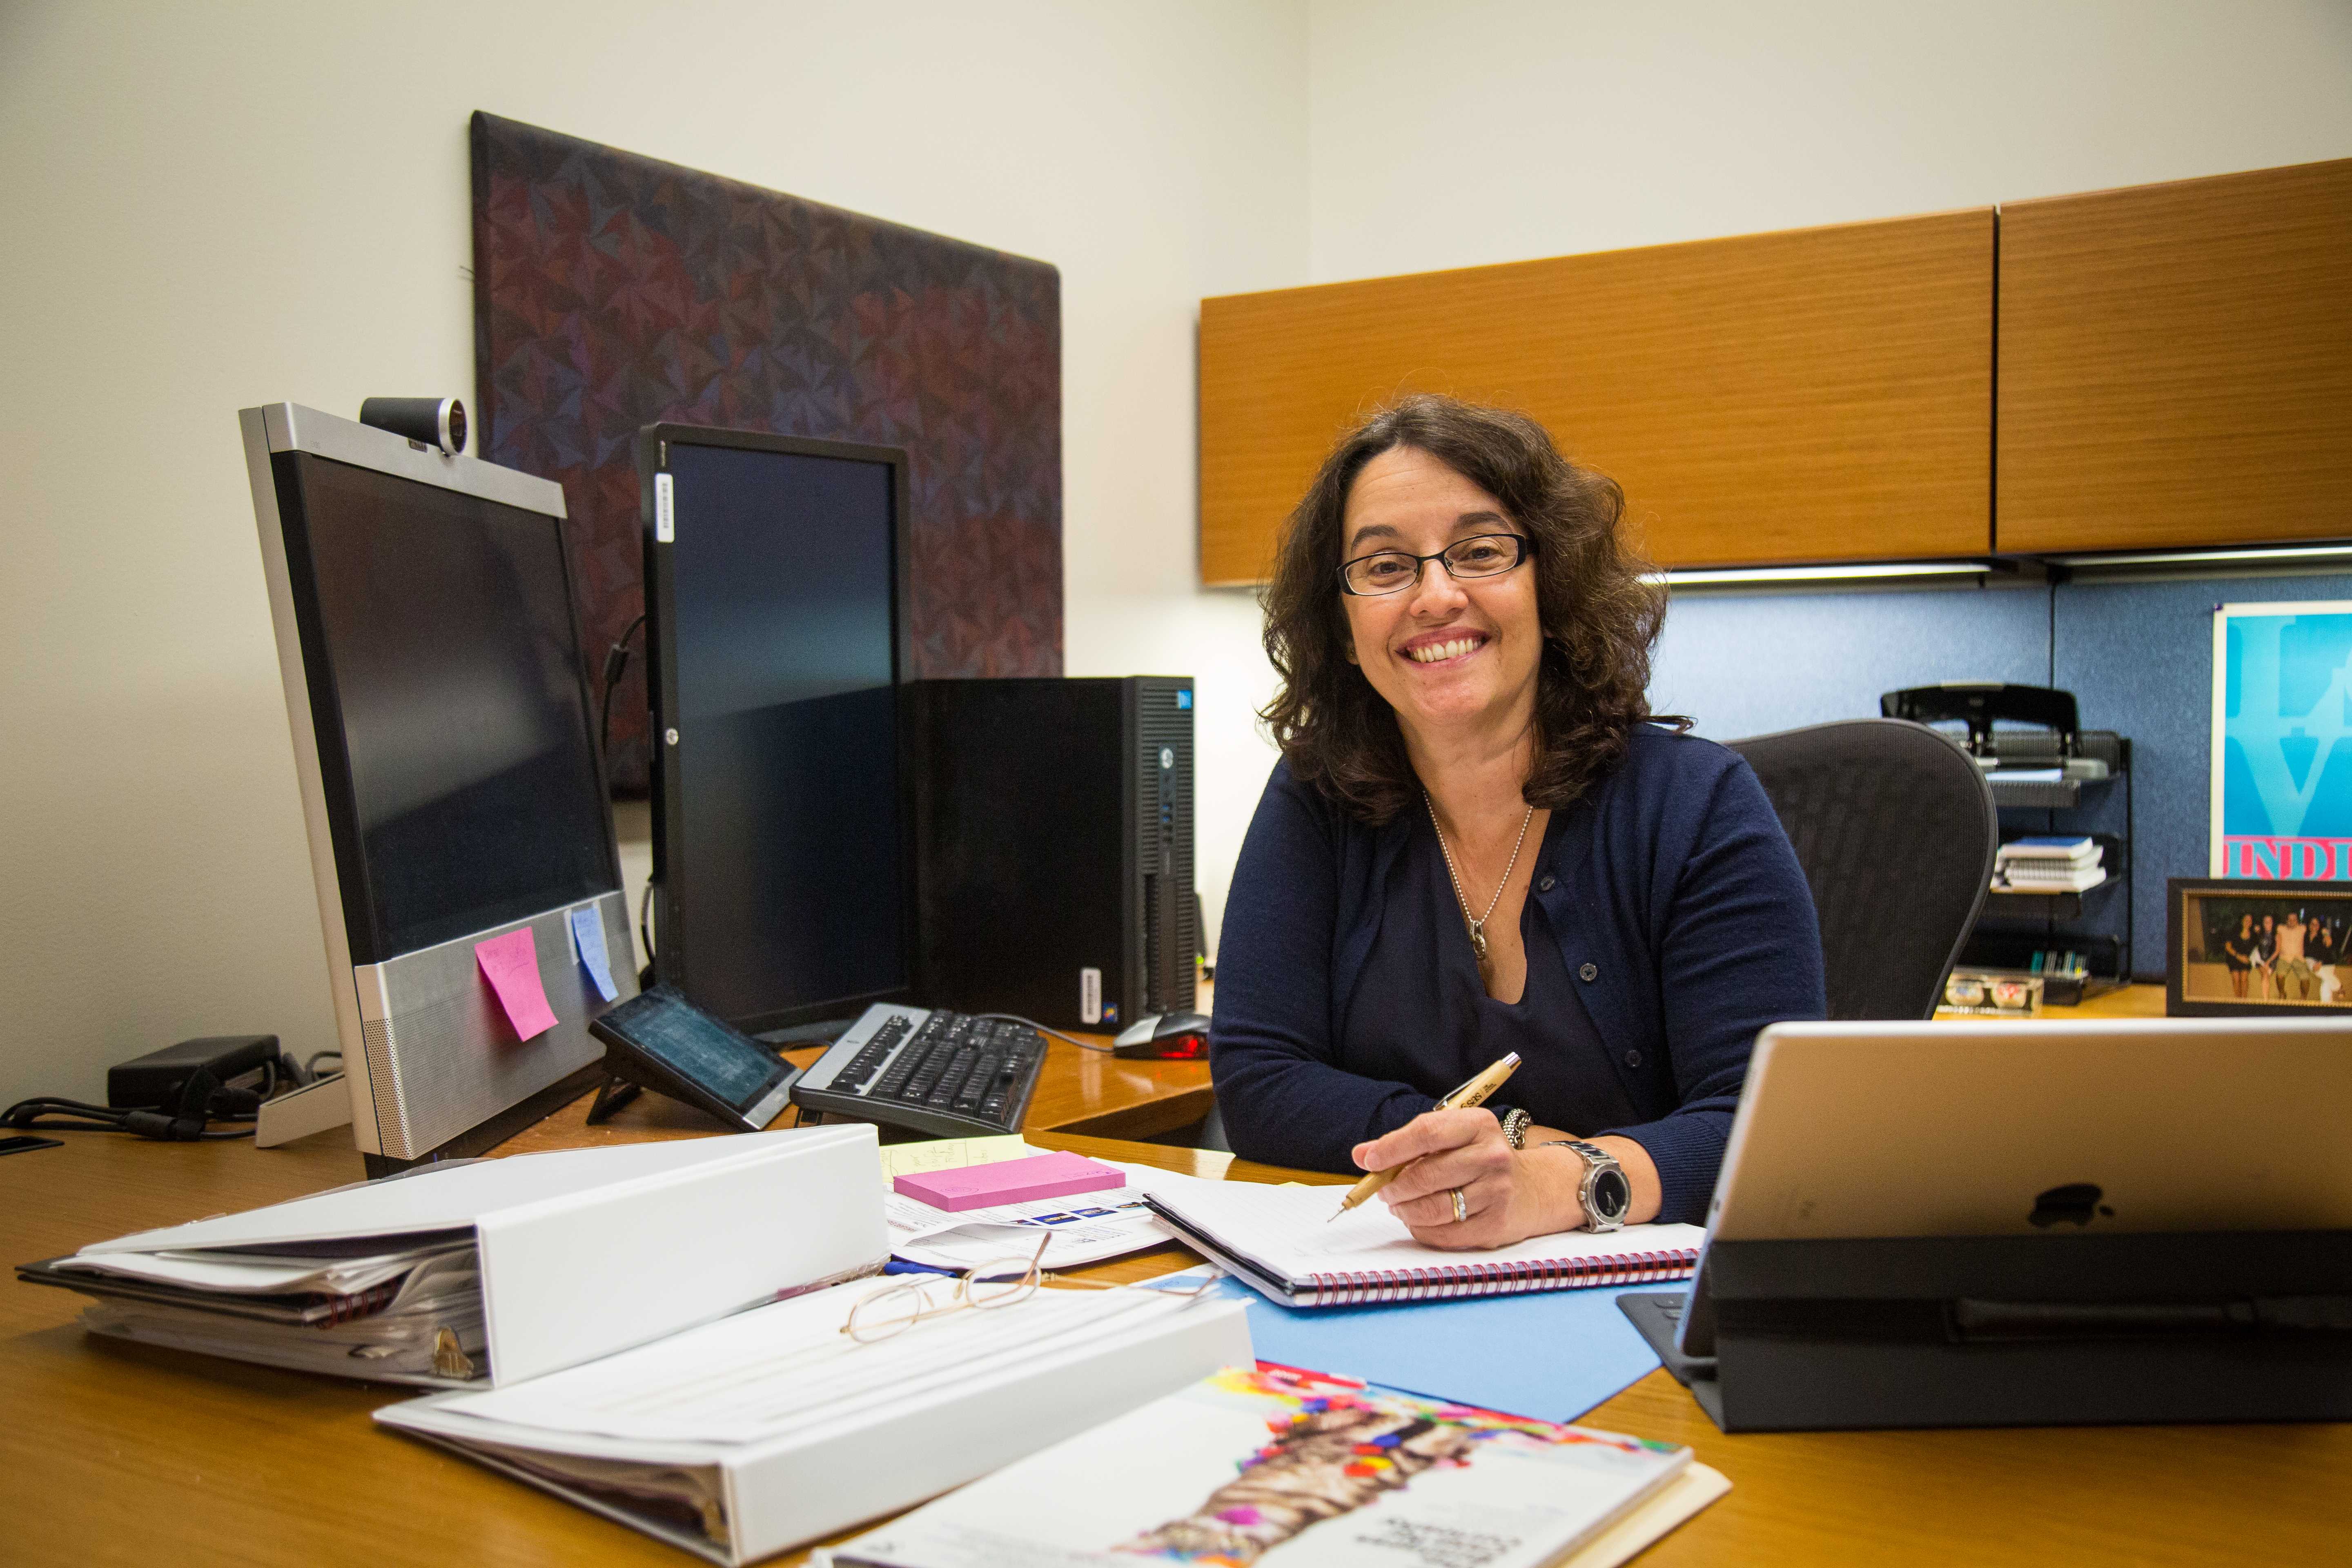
(1996, 1129)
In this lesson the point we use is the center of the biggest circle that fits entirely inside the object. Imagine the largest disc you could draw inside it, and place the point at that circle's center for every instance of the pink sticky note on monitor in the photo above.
(510, 964)
(1053, 1175)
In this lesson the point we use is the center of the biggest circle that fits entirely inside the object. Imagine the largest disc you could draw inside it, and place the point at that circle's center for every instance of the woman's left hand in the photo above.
(1508, 1195)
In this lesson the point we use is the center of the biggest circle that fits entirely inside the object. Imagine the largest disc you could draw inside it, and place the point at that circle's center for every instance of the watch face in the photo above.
(1612, 1195)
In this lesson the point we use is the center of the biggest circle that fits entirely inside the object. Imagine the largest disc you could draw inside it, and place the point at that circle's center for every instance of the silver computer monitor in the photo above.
(454, 796)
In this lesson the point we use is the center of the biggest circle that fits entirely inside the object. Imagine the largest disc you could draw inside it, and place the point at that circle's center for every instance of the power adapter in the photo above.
(157, 1080)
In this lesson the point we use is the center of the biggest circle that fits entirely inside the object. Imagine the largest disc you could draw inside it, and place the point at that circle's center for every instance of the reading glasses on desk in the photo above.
(1000, 1283)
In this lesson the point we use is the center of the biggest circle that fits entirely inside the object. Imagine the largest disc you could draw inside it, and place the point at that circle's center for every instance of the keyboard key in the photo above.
(983, 1075)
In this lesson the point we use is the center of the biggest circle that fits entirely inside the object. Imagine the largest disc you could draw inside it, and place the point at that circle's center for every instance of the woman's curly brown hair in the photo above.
(1600, 616)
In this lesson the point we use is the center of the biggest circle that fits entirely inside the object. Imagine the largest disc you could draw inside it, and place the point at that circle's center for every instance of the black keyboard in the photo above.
(948, 1074)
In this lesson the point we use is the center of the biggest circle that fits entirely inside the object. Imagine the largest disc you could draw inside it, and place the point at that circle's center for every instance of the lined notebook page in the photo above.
(1284, 1228)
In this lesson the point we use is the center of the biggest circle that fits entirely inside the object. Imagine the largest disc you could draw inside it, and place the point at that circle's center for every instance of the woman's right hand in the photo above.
(1507, 1195)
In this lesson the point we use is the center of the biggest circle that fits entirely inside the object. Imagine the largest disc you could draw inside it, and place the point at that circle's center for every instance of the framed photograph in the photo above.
(2238, 949)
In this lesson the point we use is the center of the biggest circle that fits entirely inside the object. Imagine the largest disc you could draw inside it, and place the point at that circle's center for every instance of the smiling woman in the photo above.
(1479, 840)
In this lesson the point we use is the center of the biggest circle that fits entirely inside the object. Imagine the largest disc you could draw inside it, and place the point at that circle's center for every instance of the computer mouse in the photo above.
(1166, 1037)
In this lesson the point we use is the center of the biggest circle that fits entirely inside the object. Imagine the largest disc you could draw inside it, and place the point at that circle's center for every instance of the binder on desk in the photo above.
(772, 1428)
(498, 1270)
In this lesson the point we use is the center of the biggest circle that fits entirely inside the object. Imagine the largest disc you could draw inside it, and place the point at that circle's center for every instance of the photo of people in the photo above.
(2264, 946)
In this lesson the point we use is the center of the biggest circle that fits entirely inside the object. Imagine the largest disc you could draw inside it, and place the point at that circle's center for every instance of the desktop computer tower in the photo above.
(1051, 830)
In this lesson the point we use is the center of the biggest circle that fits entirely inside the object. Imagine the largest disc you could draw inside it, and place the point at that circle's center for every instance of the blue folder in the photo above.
(1551, 1355)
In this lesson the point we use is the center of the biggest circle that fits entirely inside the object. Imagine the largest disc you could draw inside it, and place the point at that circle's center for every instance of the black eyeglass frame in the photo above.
(1525, 544)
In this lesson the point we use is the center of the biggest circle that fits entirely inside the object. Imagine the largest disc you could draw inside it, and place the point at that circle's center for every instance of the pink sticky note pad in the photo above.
(1009, 1182)
(510, 964)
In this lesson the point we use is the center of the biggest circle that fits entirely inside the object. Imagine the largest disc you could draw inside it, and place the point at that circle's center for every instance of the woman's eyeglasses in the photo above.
(1001, 1282)
(1394, 570)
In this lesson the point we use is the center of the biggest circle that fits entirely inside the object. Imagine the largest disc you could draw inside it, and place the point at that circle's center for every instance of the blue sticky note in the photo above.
(588, 936)
(1551, 1355)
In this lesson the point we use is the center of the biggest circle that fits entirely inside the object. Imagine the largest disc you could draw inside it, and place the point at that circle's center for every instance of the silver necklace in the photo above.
(1477, 926)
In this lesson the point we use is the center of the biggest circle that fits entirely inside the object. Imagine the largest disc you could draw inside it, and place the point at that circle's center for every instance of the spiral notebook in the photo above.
(1284, 1243)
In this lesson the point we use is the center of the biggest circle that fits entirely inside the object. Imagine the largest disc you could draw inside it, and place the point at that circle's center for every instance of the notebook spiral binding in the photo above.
(1460, 1279)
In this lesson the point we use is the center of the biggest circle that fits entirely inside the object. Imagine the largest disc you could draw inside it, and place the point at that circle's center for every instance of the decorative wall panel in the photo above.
(614, 290)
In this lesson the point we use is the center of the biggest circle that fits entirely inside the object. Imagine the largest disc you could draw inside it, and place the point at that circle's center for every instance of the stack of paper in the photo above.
(2048, 864)
(393, 1311)
(1087, 1228)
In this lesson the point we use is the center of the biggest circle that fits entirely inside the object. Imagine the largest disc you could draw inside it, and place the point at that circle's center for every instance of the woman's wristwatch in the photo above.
(1606, 1195)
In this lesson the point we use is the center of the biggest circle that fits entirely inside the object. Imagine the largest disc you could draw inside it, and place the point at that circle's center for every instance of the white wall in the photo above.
(213, 206)
(1452, 135)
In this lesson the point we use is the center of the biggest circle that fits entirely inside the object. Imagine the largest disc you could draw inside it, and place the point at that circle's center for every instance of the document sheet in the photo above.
(1085, 1229)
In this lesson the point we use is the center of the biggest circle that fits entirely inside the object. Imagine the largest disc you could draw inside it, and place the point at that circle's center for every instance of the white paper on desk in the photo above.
(1087, 1228)
(239, 1273)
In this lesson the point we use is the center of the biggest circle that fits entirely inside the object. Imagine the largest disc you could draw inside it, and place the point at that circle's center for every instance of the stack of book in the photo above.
(2048, 864)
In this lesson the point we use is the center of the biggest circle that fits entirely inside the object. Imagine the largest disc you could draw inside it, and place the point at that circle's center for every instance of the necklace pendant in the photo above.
(1478, 941)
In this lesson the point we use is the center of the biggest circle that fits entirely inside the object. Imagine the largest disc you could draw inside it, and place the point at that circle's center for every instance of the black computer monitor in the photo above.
(775, 586)
(450, 781)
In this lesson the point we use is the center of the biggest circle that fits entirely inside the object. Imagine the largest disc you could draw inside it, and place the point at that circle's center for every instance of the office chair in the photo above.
(1896, 828)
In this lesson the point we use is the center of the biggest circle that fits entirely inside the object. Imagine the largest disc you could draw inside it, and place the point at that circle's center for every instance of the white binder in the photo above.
(584, 1252)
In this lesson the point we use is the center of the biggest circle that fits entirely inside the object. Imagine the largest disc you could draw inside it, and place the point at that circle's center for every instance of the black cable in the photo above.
(186, 1125)
(616, 660)
(311, 1066)
(1032, 1023)
(31, 1114)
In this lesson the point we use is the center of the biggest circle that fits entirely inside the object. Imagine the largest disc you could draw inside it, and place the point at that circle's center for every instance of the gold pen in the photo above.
(1474, 1092)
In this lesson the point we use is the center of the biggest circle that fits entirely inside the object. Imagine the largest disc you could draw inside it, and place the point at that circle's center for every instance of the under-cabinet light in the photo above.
(2209, 557)
(1730, 576)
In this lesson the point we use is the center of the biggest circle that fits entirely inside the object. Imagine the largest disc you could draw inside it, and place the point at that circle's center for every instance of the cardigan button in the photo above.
(1589, 972)
(1547, 885)
(1632, 1058)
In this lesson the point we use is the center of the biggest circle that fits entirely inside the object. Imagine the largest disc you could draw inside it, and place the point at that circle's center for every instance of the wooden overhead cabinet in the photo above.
(2176, 364)
(1817, 394)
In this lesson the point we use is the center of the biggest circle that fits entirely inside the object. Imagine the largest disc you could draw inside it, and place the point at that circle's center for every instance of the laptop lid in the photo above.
(2000, 1128)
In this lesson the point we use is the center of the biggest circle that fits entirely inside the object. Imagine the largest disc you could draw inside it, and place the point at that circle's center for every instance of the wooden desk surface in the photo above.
(119, 1453)
(2124, 1002)
(1082, 1091)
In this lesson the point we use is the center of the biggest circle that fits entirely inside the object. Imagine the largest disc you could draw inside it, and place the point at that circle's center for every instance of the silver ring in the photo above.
(1461, 1209)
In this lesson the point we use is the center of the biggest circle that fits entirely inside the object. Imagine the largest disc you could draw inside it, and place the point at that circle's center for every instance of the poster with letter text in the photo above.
(2283, 741)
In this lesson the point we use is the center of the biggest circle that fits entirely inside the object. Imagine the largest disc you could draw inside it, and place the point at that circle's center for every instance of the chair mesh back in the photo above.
(1896, 828)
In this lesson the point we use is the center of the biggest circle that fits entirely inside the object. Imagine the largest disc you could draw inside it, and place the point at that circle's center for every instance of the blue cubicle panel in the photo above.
(2137, 656)
(1743, 665)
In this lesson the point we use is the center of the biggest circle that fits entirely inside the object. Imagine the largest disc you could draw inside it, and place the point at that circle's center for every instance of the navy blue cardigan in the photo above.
(1671, 880)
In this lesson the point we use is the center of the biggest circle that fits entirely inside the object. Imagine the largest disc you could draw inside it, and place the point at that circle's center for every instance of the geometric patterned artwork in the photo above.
(2282, 796)
(613, 290)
